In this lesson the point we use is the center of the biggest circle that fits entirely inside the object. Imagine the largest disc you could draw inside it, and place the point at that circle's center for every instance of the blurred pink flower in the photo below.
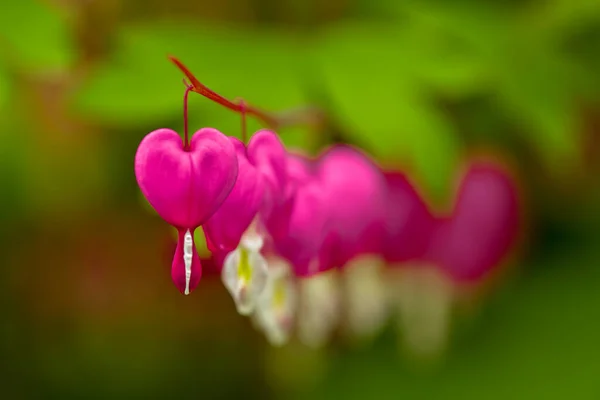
(225, 228)
(254, 212)
(482, 227)
(355, 190)
(409, 222)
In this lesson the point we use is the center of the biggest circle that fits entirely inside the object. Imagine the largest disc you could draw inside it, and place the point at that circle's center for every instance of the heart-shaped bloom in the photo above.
(442, 253)
(227, 225)
(306, 220)
(227, 232)
(356, 197)
(483, 225)
(185, 187)
(239, 229)
(409, 224)
(294, 246)
(268, 154)
(337, 216)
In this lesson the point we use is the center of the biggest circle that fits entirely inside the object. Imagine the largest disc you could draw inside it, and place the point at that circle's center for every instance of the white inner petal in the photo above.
(425, 300)
(276, 306)
(245, 277)
(366, 295)
(319, 311)
(252, 239)
(188, 245)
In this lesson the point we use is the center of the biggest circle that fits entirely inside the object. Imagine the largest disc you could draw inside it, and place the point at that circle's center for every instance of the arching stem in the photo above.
(186, 139)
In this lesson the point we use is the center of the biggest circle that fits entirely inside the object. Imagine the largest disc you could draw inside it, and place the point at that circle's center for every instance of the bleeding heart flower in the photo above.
(268, 154)
(186, 184)
(356, 196)
(307, 221)
(225, 228)
(409, 223)
(241, 226)
(483, 225)
(442, 253)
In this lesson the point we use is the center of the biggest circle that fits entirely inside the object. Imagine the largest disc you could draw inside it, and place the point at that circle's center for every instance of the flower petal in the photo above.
(244, 274)
(186, 187)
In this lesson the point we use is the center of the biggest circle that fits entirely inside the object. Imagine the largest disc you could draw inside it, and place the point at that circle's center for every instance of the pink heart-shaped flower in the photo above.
(185, 187)
(227, 225)
(483, 226)
(356, 196)
(409, 223)
(268, 155)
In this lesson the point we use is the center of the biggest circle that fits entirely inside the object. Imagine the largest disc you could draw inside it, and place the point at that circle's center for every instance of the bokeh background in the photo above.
(87, 308)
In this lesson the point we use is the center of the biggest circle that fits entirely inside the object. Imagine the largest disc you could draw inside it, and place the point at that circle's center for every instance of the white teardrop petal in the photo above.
(425, 301)
(244, 275)
(188, 248)
(367, 303)
(276, 306)
(319, 311)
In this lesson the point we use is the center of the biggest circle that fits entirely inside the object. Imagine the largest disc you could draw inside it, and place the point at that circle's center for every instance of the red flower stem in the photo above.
(242, 104)
(186, 139)
(198, 87)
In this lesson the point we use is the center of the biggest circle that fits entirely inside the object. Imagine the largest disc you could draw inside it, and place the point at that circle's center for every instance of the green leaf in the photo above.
(380, 103)
(5, 92)
(538, 94)
(37, 35)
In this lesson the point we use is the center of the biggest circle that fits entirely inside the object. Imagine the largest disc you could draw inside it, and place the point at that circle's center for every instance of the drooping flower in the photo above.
(460, 248)
(267, 153)
(337, 218)
(239, 229)
(405, 231)
(483, 226)
(409, 222)
(226, 226)
(295, 221)
(356, 196)
(415, 291)
(244, 269)
(186, 182)
(307, 220)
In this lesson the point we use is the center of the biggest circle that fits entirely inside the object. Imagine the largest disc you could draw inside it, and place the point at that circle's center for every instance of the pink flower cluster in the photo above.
(276, 221)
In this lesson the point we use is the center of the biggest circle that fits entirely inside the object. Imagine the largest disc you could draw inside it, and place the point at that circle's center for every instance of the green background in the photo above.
(86, 303)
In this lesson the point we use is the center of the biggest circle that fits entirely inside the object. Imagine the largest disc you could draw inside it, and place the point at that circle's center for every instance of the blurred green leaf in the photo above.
(558, 16)
(37, 35)
(379, 101)
(537, 94)
(517, 63)
(5, 96)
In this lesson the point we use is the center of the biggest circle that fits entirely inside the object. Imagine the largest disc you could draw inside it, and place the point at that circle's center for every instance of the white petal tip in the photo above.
(245, 309)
